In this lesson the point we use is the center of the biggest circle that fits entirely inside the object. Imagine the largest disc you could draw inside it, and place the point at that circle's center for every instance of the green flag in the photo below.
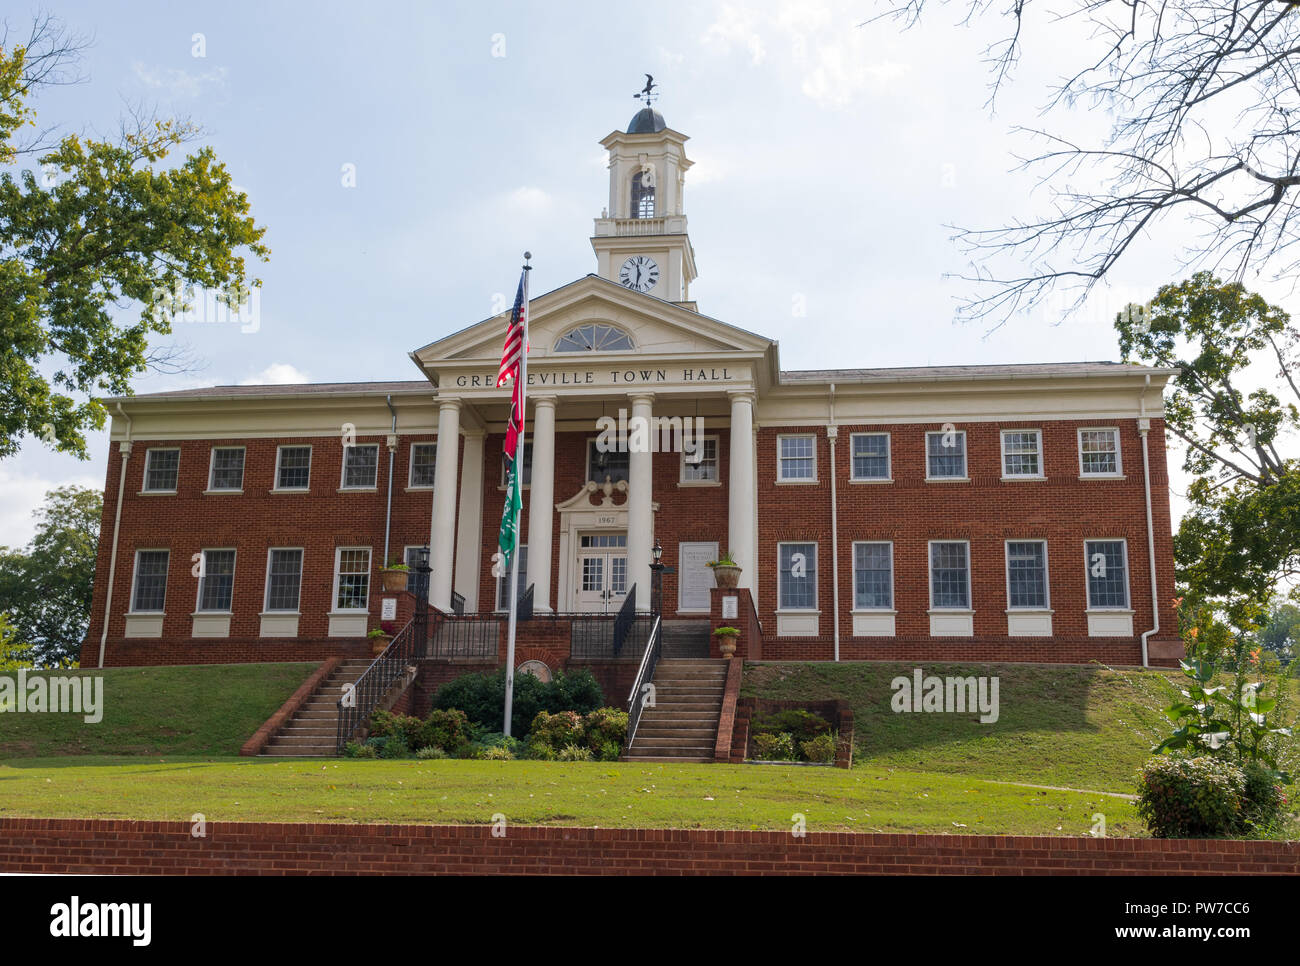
(508, 541)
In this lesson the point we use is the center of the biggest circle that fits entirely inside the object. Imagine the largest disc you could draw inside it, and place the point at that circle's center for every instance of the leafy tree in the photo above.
(1281, 633)
(1241, 537)
(13, 655)
(46, 588)
(103, 225)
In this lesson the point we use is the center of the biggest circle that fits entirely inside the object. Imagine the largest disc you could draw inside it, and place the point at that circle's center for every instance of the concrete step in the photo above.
(667, 758)
(686, 705)
(649, 733)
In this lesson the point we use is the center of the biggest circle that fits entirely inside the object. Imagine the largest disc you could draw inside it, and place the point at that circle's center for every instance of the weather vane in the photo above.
(650, 93)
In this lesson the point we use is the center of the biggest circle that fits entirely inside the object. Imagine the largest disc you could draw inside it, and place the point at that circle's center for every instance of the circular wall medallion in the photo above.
(537, 669)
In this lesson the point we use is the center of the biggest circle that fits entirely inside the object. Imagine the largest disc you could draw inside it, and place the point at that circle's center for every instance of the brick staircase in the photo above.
(683, 724)
(313, 730)
(686, 638)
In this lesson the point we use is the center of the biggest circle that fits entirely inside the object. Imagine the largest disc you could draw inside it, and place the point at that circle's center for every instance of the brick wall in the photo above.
(35, 845)
(1062, 509)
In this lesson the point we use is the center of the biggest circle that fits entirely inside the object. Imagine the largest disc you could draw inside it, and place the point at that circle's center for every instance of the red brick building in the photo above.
(970, 512)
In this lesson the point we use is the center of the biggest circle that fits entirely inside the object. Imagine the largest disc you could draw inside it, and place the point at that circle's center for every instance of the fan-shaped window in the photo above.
(643, 195)
(594, 338)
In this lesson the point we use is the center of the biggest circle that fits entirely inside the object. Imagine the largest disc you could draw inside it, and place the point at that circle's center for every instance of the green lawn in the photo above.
(208, 709)
(548, 793)
(1072, 726)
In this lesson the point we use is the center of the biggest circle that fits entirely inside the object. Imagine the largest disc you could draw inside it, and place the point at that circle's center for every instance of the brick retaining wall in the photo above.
(34, 845)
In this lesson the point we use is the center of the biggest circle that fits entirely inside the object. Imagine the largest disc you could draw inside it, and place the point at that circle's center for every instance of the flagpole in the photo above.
(520, 465)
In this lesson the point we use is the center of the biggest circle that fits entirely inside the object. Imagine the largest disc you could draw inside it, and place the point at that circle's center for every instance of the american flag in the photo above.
(511, 357)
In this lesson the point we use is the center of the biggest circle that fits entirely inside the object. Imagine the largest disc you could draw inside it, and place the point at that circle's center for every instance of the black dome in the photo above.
(647, 121)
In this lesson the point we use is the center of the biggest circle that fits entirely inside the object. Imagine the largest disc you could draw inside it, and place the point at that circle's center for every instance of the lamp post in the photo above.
(656, 579)
(421, 620)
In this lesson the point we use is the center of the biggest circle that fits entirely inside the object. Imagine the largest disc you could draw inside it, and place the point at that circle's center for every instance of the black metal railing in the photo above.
(463, 635)
(591, 636)
(623, 622)
(359, 700)
(636, 700)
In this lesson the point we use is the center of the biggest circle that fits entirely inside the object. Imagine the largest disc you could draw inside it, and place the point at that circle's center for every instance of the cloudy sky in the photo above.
(831, 159)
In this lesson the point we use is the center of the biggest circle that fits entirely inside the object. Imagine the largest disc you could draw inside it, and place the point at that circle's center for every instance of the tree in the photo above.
(46, 588)
(1204, 115)
(104, 225)
(13, 655)
(1281, 633)
(1241, 536)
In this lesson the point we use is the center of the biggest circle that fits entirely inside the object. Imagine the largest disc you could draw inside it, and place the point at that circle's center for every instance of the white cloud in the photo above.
(177, 83)
(21, 494)
(277, 374)
(736, 29)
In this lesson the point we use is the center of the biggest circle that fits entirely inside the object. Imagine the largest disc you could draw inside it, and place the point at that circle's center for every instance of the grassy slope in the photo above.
(193, 710)
(1071, 726)
(548, 793)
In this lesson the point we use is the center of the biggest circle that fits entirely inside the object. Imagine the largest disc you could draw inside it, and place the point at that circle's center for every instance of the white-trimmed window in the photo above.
(161, 470)
(292, 467)
(1099, 452)
(616, 464)
(703, 469)
(149, 583)
(1027, 575)
(873, 575)
(283, 579)
(216, 581)
(226, 472)
(796, 459)
(424, 461)
(1107, 563)
(528, 464)
(360, 466)
(503, 582)
(869, 456)
(949, 575)
(945, 455)
(796, 576)
(352, 579)
(1022, 453)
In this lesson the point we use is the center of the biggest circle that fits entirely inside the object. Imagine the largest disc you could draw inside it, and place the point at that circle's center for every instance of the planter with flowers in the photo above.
(381, 637)
(727, 640)
(726, 572)
(394, 577)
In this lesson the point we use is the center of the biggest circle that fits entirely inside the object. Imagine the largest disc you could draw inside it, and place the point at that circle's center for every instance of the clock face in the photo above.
(639, 273)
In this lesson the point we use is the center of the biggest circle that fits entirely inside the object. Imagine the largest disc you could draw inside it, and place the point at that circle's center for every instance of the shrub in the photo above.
(431, 753)
(558, 731)
(774, 747)
(395, 747)
(482, 697)
(820, 749)
(385, 724)
(803, 725)
(445, 728)
(355, 749)
(602, 728)
(1191, 797)
(496, 753)
(575, 753)
(538, 749)
(1264, 800)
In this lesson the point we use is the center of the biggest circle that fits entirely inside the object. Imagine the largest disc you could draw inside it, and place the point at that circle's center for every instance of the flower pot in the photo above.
(393, 580)
(726, 576)
(727, 646)
(379, 644)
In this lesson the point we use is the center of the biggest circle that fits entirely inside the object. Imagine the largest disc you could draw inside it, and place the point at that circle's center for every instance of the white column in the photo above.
(470, 561)
(640, 515)
(741, 492)
(442, 535)
(541, 502)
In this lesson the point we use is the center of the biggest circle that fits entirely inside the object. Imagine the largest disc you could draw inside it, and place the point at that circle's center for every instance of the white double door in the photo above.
(602, 572)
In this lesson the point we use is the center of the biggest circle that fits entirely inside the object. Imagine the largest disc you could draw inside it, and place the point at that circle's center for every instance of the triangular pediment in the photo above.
(655, 327)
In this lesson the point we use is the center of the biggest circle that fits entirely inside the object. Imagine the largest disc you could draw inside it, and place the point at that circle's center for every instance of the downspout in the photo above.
(832, 431)
(1144, 427)
(125, 447)
(392, 448)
